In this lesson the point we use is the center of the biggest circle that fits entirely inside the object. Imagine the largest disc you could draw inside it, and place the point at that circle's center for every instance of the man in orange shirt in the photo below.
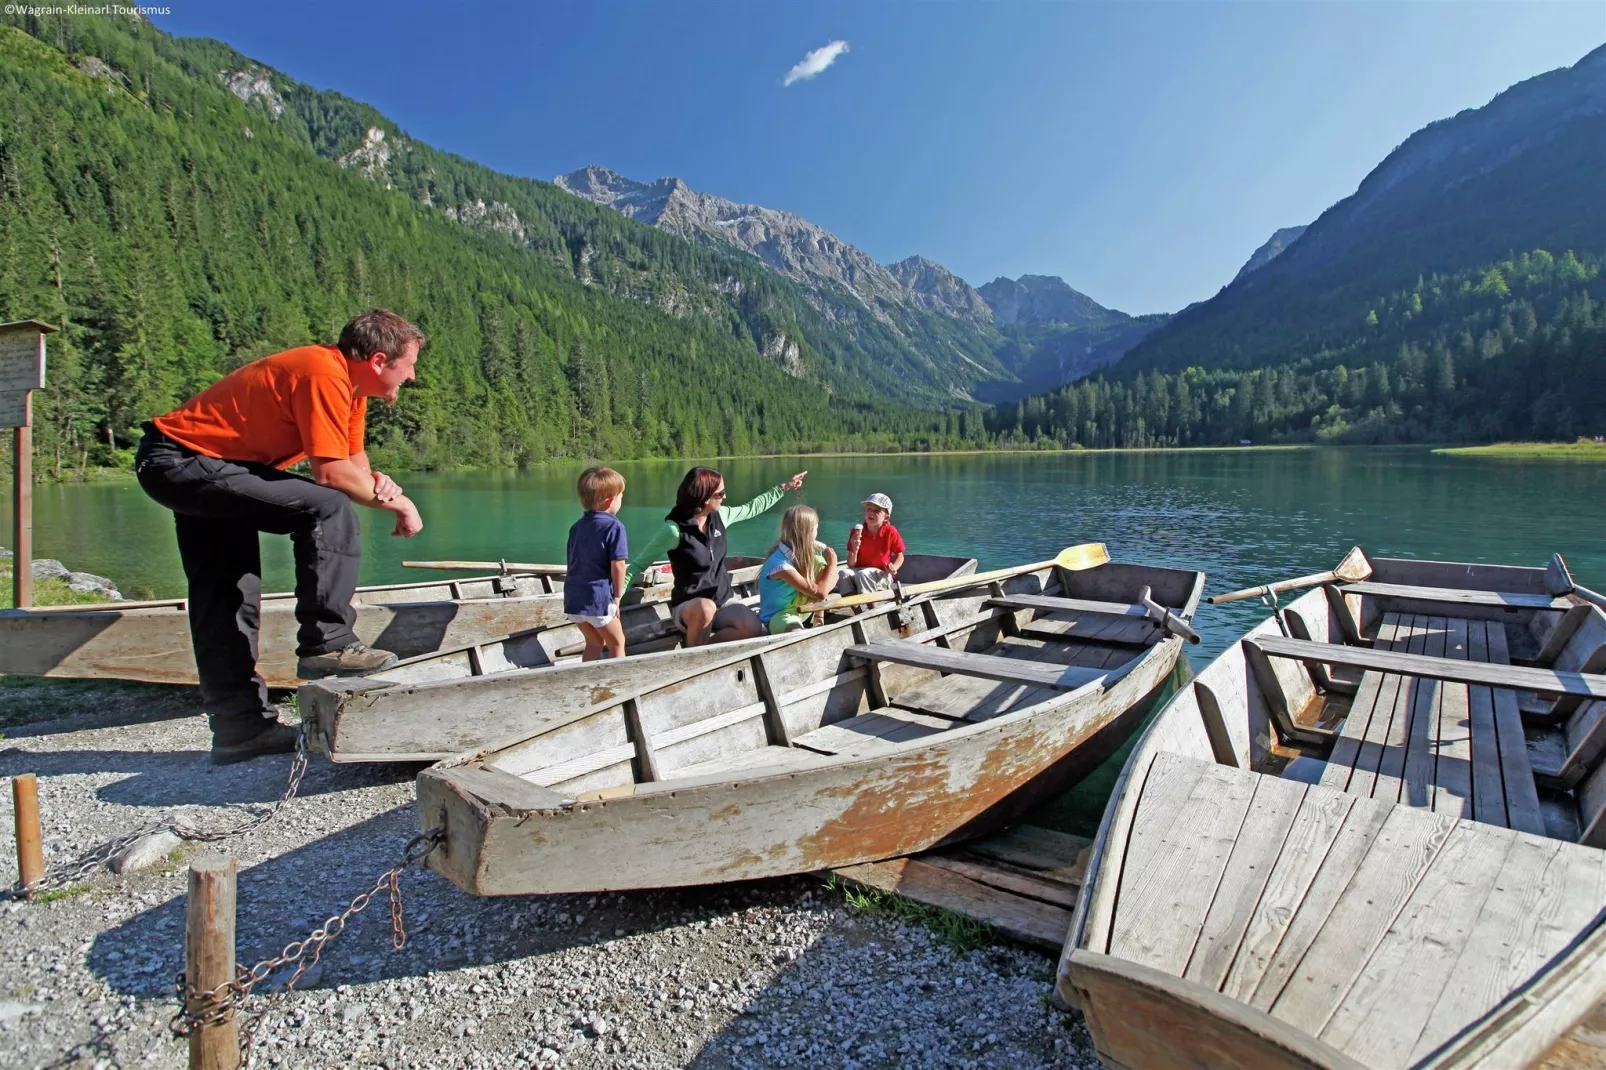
(218, 461)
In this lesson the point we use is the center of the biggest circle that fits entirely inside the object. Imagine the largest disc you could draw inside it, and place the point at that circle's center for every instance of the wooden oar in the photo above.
(1075, 558)
(500, 566)
(1353, 568)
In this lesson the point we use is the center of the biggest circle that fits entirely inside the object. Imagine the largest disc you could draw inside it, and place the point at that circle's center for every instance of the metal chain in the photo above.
(217, 1005)
(68, 873)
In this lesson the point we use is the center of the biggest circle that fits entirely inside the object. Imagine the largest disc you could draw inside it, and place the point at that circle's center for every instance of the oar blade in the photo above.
(1083, 556)
(1354, 568)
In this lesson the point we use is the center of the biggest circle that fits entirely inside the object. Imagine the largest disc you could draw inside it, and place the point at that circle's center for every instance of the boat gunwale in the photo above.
(778, 643)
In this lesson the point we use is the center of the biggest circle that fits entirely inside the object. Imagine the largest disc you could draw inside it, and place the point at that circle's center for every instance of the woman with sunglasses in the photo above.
(694, 532)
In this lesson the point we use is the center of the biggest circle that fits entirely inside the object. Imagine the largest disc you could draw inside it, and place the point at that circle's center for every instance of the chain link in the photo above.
(217, 1005)
(69, 873)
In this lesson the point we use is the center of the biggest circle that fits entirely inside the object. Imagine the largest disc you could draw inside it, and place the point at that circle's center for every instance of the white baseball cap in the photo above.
(879, 499)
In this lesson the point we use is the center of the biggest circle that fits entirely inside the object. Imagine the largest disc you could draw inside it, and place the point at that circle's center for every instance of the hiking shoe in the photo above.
(353, 660)
(276, 738)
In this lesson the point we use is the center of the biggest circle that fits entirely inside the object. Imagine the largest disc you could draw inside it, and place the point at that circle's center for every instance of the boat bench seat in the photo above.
(986, 666)
(1448, 745)
(1456, 596)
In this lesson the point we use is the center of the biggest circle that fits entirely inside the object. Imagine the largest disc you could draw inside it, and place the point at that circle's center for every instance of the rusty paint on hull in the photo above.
(836, 812)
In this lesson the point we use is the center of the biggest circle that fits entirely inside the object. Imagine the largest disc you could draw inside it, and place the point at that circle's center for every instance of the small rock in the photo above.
(144, 852)
(48, 568)
(600, 1027)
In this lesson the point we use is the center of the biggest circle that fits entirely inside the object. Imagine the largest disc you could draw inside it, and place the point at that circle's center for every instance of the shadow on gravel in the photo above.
(40, 706)
(283, 899)
(187, 778)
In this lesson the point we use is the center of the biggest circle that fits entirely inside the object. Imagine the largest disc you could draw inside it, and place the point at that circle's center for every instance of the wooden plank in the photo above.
(1488, 787)
(1049, 604)
(1276, 698)
(1357, 916)
(1545, 892)
(1381, 1017)
(1313, 836)
(1391, 763)
(1515, 677)
(765, 757)
(1144, 1018)
(1006, 879)
(987, 666)
(1452, 766)
(1582, 1048)
(1516, 775)
(1564, 630)
(869, 730)
(1374, 705)
(1416, 788)
(1452, 596)
(1568, 992)
(1162, 801)
(1027, 920)
(1215, 724)
(1348, 627)
(1254, 855)
(1163, 906)
(1592, 808)
(1058, 856)
(966, 697)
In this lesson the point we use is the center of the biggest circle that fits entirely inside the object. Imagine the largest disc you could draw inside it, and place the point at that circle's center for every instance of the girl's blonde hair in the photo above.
(800, 528)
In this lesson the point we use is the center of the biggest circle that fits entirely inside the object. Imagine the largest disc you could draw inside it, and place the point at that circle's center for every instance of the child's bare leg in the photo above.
(594, 641)
(612, 637)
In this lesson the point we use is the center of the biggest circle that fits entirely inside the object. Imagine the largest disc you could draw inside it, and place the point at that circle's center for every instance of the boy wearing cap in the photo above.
(875, 549)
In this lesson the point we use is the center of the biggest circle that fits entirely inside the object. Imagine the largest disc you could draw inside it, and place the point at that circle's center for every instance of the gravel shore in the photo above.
(770, 973)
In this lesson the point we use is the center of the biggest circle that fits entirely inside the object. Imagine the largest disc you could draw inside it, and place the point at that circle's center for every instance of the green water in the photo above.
(1242, 516)
(1245, 517)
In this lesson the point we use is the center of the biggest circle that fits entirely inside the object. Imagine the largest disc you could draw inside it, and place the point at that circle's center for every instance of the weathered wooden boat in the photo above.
(150, 641)
(874, 737)
(1368, 834)
(458, 699)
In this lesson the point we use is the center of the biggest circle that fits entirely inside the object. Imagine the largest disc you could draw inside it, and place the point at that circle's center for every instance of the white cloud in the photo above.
(815, 62)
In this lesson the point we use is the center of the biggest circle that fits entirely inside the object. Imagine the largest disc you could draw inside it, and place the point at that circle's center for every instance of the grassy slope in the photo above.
(1583, 449)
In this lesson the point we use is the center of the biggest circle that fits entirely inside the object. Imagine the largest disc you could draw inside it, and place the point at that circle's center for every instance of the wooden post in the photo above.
(30, 848)
(209, 956)
(22, 371)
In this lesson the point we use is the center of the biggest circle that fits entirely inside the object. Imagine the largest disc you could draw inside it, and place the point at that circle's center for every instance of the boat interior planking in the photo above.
(1368, 834)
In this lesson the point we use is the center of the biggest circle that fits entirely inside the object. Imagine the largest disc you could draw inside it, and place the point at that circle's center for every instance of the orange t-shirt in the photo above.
(274, 411)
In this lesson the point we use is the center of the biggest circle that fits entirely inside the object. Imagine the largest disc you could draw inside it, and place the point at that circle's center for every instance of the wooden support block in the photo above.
(30, 847)
(209, 957)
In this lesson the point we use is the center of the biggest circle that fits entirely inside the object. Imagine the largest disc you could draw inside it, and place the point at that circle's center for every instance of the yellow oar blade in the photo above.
(1085, 555)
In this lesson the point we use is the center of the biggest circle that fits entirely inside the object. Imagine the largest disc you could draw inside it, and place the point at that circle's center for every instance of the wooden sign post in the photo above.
(22, 371)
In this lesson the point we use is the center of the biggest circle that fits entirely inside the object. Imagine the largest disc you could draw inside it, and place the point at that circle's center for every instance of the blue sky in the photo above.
(1140, 151)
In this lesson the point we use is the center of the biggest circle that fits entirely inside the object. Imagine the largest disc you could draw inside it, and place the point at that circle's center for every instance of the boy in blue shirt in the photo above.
(598, 552)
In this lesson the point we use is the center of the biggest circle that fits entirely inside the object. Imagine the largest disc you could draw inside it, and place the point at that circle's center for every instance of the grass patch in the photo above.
(56, 894)
(46, 592)
(957, 931)
(1583, 449)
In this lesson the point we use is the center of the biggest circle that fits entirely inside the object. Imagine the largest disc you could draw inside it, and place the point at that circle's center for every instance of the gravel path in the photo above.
(771, 973)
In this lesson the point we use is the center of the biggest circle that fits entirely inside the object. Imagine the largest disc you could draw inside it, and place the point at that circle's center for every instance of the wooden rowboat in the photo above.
(457, 699)
(870, 738)
(1368, 834)
(150, 641)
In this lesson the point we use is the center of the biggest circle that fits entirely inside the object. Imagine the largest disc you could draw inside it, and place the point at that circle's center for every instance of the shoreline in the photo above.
(1579, 450)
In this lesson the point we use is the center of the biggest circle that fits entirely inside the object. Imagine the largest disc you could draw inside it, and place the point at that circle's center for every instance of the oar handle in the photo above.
(1587, 595)
(1273, 588)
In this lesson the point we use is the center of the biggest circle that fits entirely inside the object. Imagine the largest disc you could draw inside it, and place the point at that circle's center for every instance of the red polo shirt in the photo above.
(878, 548)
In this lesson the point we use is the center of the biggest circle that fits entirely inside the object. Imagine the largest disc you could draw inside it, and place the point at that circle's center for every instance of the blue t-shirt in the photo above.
(775, 595)
(596, 541)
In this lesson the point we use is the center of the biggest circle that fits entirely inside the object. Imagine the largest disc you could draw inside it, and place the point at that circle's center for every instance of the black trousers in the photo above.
(219, 507)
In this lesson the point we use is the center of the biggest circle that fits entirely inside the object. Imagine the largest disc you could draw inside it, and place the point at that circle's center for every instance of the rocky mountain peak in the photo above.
(1043, 299)
(1273, 247)
(784, 242)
